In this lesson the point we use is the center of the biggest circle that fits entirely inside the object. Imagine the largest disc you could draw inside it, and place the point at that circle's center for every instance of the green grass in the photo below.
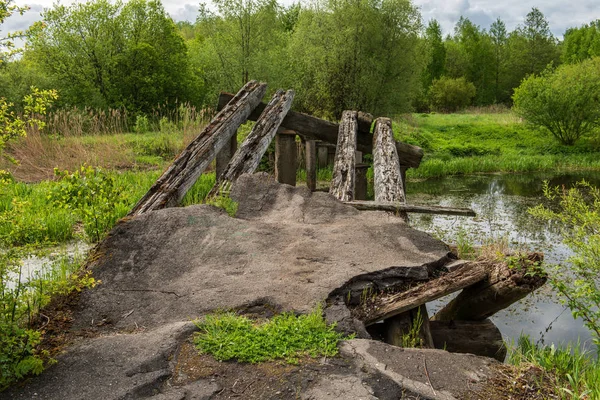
(575, 374)
(489, 142)
(286, 336)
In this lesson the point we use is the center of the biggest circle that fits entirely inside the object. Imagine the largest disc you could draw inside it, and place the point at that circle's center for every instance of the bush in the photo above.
(450, 95)
(578, 221)
(565, 102)
(142, 124)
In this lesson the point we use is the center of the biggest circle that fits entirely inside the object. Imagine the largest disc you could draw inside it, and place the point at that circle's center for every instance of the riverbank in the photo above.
(486, 142)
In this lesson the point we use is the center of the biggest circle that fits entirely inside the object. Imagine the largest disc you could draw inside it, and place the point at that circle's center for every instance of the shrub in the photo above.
(565, 102)
(578, 221)
(142, 125)
(450, 95)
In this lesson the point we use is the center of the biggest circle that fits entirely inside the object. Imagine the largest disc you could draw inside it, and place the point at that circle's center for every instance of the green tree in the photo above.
(565, 102)
(581, 43)
(499, 38)
(104, 54)
(437, 52)
(357, 54)
(450, 94)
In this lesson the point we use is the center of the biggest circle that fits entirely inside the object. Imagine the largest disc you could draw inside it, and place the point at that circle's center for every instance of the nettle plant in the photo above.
(93, 195)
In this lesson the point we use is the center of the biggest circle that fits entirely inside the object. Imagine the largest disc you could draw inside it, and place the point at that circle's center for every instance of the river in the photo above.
(501, 203)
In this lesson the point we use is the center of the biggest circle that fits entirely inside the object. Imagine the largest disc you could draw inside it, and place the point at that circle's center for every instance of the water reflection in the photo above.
(501, 203)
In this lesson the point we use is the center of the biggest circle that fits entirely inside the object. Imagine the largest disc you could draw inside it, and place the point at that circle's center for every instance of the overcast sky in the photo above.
(561, 14)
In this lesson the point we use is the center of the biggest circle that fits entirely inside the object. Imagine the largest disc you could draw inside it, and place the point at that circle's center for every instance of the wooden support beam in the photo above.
(462, 277)
(481, 338)
(225, 155)
(322, 152)
(342, 181)
(311, 165)
(174, 183)
(411, 208)
(386, 167)
(361, 184)
(504, 286)
(286, 152)
(247, 158)
(319, 129)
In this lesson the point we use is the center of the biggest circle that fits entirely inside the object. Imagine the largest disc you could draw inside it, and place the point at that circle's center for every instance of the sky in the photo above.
(560, 14)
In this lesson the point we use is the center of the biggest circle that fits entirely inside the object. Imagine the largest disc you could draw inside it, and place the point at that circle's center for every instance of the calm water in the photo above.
(501, 203)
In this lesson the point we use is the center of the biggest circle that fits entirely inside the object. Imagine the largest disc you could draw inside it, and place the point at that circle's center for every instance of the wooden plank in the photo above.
(505, 286)
(412, 208)
(465, 276)
(319, 129)
(174, 183)
(361, 184)
(225, 155)
(247, 158)
(342, 181)
(286, 152)
(386, 167)
(311, 165)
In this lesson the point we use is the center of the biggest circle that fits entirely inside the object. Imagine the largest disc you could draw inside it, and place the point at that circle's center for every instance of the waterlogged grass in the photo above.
(490, 142)
(574, 374)
(286, 336)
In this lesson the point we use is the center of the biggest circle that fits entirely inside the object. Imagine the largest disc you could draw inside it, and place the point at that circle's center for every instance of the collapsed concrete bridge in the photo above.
(287, 249)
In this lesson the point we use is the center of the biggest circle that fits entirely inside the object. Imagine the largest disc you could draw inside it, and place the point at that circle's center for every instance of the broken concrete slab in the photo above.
(288, 248)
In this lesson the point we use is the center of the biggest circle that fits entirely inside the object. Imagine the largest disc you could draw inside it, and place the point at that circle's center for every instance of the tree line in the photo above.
(372, 55)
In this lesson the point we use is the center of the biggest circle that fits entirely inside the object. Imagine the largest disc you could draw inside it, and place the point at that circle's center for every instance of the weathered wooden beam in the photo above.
(342, 181)
(247, 158)
(361, 184)
(481, 338)
(462, 277)
(386, 167)
(286, 153)
(174, 183)
(319, 129)
(311, 165)
(225, 155)
(504, 286)
(411, 208)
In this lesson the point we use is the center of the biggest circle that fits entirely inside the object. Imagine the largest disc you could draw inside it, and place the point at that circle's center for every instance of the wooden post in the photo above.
(342, 181)
(386, 167)
(247, 158)
(322, 151)
(224, 156)
(174, 183)
(285, 157)
(403, 176)
(361, 185)
(400, 325)
(311, 164)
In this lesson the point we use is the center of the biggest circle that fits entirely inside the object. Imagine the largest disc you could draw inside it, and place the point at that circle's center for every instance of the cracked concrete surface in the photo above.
(287, 246)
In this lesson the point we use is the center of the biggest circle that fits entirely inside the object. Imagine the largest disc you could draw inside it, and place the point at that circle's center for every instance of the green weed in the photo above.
(286, 336)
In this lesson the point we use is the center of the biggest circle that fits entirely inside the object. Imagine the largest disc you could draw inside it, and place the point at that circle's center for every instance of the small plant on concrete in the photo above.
(289, 337)
(225, 202)
(412, 338)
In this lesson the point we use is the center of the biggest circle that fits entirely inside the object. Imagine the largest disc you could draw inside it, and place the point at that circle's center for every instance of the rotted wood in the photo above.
(174, 183)
(319, 129)
(361, 183)
(399, 326)
(464, 276)
(503, 286)
(311, 165)
(225, 155)
(286, 153)
(397, 207)
(247, 158)
(386, 167)
(481, 338)
(343, 177)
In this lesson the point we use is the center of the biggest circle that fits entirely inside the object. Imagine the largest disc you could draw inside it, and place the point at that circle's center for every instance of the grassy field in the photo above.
(486, 142)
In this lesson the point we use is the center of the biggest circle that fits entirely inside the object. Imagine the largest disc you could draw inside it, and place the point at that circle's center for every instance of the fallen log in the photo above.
(247, 158)
(462, 277)
(397, 207)
(343, 177)
(174, 183)
(481, 338)
(504, 285)
(388, 183)
(319, 129)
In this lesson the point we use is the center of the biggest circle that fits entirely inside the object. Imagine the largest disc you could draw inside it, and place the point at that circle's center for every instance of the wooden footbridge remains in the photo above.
(485, 286)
